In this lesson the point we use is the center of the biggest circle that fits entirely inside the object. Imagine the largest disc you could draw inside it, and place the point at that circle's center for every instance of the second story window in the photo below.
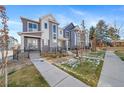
(67, 34)
(33, 27)
(45, 25)
(54, 28)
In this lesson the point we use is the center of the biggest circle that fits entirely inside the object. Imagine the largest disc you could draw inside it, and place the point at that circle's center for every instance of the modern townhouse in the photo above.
(12, 42)
(46, 35)
(43, 35)
(71, 35)
(87, 40)
(76, 38)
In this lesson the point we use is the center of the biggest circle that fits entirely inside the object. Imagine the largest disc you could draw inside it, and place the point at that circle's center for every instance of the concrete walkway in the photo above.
(112, 74)
(54, 76)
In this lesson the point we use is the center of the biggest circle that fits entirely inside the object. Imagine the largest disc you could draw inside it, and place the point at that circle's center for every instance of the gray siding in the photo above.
(69, 28)
(24, 24)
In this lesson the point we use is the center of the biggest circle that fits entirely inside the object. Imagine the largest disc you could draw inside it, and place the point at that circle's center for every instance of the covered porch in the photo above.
(31, 41)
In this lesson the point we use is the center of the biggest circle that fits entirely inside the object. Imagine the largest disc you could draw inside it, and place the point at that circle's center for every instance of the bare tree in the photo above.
(118, 28)
(77, 30)
(83, 37)
(82, 32)
(4, 41)
(92, 37)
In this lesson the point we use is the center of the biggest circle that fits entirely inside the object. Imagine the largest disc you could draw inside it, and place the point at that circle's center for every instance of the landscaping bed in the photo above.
(120, 54)
(98, 54)
(55, 57)
(86, 70)
(27, 76)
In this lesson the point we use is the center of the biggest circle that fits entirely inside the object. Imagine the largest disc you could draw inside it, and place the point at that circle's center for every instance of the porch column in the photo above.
(22, 43)
(66, 45)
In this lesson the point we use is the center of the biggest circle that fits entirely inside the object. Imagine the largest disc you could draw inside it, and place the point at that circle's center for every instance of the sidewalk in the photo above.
(112, 74)
(56, 77)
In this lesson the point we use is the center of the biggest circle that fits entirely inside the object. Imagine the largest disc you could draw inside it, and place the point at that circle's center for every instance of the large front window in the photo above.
(32, 43)
(33, 27)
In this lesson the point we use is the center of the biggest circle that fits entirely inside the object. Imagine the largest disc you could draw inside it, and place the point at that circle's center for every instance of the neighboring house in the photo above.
(76, 38)
(87, 40)
(118, 43)
(43, 35)
(12, 42)
(62, 42)
(70, 34)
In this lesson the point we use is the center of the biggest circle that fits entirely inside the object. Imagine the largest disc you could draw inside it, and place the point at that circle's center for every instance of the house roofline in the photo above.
(54, 22)
(19, 33)
(23, 18)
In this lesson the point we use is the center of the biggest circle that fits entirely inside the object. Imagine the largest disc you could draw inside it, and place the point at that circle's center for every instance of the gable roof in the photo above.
(69, 26)
(77, 28)
(48, 15)
(51, 20)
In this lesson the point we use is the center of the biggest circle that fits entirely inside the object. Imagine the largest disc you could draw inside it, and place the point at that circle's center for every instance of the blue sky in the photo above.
(65, 14)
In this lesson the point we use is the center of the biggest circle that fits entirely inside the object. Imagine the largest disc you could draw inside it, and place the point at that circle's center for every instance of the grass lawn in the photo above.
(87, 71)
(120, 54)
(26, 77)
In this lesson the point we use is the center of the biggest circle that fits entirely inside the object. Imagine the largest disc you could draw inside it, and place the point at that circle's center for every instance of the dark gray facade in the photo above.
(71, 35)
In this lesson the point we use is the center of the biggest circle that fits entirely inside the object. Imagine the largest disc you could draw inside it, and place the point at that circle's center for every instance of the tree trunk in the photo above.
(6, 72)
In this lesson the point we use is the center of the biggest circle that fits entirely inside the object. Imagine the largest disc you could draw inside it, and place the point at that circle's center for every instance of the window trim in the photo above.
(45, 25)
(55, 28)
(32, 23)
(67, 34)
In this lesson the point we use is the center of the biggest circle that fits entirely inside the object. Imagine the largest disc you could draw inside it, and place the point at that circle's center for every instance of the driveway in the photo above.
(112, 74)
